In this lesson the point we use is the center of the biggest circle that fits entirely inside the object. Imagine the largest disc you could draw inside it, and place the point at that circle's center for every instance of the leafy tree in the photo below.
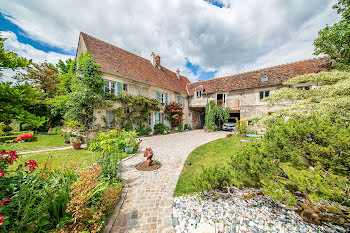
(87, 91)
(215, 115)
(302, 157)
(44, 76)
(10, 60)
(334, 40)
(67, 70)
(15, 101)
(329, 99)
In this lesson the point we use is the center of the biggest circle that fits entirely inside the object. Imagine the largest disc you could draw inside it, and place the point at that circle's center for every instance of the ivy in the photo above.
(139, 108)
(215, 115)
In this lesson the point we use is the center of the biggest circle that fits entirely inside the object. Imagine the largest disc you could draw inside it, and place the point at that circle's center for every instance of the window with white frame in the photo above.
(162, 98)
(110, 118)
(150, 119)
(109, 87)
(199, 93)
(264, 94)
(125, 87)
(161, 117)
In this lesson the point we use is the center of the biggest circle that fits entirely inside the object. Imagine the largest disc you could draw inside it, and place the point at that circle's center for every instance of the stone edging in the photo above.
(111, 220)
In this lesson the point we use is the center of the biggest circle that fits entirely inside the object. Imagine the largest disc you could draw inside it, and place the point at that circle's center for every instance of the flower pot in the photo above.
(129, 149)
(76, 145)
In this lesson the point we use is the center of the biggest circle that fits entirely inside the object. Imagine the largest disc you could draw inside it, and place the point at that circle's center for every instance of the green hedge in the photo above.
(7, 138)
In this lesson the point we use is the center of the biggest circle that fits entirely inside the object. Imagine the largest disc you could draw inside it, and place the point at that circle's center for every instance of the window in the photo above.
(304, 88)
(161, 117)
(125, 87)
(127, 110)
(264, 94)
(162, 98)
(264, 79)
(110, 118)
(109, 87)
(150, 119)
(199, 94)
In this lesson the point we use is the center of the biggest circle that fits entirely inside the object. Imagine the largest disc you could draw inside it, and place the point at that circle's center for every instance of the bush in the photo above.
(213, 178)
(114, 142)
(160, 128)
(7, 138)
(128, 127)
(142, 131)
(186, 127)
(242, 127)
(55, 131)
(4, 129)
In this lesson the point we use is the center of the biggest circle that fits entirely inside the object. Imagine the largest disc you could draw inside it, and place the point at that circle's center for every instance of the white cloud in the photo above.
(27, 51)
(244, 35)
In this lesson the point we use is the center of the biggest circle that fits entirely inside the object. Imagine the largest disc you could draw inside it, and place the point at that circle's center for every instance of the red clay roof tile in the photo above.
(121, 62)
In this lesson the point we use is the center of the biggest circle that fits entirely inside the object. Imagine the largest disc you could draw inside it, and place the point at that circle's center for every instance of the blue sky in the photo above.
(203, 38)
(22, 36)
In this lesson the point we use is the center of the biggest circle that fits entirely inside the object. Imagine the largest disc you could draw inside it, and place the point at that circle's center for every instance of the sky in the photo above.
(203, 38)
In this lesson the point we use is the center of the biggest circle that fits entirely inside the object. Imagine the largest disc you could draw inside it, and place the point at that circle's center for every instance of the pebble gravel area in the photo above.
(149, 200)
(210, 212)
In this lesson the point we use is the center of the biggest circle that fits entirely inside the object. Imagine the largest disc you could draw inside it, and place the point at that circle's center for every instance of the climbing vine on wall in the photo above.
(135, 109)
(215, 115)
(174, 114)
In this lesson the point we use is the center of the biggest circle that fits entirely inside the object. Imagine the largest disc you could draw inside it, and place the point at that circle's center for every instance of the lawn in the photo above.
(61, 158)
(44, 141)
(217, 152)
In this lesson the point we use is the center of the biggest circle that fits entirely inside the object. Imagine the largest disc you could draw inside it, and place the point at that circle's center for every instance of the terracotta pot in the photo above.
(76, 145)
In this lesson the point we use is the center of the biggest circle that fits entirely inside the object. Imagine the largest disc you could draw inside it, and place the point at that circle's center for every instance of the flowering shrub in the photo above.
(174, 113)
(24, 137)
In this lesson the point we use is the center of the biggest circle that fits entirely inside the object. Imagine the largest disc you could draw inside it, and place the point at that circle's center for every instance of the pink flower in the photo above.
(2, 173)
(32, 165)
(8, 199)
(3, 203)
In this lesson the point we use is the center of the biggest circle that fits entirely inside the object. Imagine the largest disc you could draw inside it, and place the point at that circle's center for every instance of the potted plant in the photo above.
(76, 143)
(129, 149)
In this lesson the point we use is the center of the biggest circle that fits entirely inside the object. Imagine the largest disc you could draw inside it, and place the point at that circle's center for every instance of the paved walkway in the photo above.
(47, 149)
(148, 204)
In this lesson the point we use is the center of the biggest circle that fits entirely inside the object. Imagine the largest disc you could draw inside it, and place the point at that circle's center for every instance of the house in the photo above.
(241, 93)
(125, 71)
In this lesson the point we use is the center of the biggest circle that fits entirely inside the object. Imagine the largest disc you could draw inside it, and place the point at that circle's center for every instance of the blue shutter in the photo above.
(157, 118)
(183, 101)
(119, 88)
(178, 99)
(158, 96)
(166, 98)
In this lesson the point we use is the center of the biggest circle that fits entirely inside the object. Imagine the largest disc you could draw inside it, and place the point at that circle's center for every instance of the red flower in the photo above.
(17, 139)
(1, 223)
(8, 199)
(32, 165)
(3, 203)
(2, 173)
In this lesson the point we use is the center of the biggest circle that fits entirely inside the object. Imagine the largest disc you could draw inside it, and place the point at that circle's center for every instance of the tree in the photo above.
(87, 91)
(15, 101)
(67, 70)
(215, 115)
(10, 60)
(334, 40)
(329, 99)
(43, 76)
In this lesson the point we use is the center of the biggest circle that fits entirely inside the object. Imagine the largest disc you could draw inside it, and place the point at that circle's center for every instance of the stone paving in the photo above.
(148, 204)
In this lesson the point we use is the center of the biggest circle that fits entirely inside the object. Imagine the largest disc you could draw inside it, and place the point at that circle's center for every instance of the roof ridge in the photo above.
(265, 68)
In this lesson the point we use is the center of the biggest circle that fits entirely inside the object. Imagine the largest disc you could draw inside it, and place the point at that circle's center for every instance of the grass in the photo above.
(61, 158)
(44, 141)
(214, 153)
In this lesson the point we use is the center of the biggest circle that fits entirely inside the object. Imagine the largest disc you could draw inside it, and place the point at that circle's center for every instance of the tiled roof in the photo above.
(118, 61)
(276, 75)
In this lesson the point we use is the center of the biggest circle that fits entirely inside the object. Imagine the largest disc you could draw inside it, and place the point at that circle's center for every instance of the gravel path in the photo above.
(148, 205)
(47, 149)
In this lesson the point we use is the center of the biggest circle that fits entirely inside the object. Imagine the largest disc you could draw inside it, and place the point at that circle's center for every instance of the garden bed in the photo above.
(42, 141)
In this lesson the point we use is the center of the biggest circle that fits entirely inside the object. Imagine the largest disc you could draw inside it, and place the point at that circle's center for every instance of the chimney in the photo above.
(157, 59)
(178, 73)
(153, 59)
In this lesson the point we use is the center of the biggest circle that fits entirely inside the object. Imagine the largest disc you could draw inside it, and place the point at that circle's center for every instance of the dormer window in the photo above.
(264, 79)
(199, 93)
(307, 88)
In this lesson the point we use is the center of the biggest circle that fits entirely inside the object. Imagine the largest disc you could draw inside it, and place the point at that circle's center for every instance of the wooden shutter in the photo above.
(183, 102)
(157, 118)
(119, 88)
(166, 98)
(178, 99)
(158, 96)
